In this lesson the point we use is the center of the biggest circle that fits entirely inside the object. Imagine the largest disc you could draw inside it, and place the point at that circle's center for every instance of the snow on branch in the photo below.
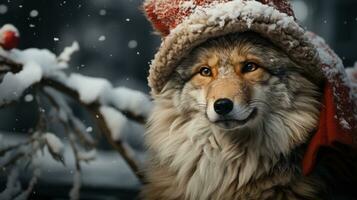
(111, 108)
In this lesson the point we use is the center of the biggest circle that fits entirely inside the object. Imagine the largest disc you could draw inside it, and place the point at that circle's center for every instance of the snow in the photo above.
(102, 38)
(218, 14)
(334, 66)
(98, 89)
(115, 121)
(54, 144)
(36, 173)
(13, 186)
(65, 56)
(87, 156)
(102, 12)
(66, 115)
(129, 100)
(74, 193)
(108, 170)
(187, 5)
(338, 77)
(42, 64)
(29, 98)
(352, 73)
(9, 27)
(89, 89)
(3, 9)
(34, 13)
(345, 124)
(89, 129)
(352, 76)
(132, 44)
(84, 133)
(43, 58)
(238, 10)
(13, 85)
(38, 64)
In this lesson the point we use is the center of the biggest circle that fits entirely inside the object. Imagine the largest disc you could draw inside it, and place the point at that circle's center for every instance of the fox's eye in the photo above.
(249, 67)
(205, 71)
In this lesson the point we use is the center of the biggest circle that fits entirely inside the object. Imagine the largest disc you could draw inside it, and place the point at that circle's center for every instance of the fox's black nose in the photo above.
(223, 106)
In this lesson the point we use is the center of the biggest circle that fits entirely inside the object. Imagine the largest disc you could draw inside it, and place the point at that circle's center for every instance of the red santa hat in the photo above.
(185, 24)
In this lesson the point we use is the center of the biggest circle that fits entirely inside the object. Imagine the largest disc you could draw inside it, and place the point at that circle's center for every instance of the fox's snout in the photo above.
(228, 105)
(225, 94)
(223, 106)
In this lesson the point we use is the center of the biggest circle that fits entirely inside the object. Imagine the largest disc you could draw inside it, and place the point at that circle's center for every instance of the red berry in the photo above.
(9, 40)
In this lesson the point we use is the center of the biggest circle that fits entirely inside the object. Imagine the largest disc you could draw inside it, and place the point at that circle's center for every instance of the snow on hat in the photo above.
(185, 24)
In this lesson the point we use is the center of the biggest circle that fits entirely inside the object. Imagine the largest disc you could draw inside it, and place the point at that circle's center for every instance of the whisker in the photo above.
(258, 102)
(200, 105)
(242, 111)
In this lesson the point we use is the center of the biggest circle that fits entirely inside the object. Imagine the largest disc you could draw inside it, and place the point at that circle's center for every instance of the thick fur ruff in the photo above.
(193, 158)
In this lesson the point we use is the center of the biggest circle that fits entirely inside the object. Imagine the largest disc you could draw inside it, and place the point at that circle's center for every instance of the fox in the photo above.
(233, 122)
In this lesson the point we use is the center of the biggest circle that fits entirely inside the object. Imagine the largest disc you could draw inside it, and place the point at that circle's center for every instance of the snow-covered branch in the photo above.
(110, 107)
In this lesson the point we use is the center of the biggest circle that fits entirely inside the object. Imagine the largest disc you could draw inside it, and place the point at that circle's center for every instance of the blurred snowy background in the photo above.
(117, 43)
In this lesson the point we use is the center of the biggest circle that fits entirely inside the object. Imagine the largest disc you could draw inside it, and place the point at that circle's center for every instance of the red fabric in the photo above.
(329, 131)
(165, 15)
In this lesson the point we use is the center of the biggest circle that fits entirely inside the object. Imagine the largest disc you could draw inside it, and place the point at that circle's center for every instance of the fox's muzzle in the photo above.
(223, 106)
(224, 93)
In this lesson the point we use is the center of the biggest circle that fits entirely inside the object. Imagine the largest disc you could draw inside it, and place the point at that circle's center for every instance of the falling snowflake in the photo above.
(34, 13)
(3, 9)
(89, 129)
(102, 38)
(102, 12)
(29, 98)
(132, 44)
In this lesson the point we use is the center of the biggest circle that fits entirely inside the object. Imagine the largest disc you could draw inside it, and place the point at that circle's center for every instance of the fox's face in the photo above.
(230, 85)
(245, 82)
